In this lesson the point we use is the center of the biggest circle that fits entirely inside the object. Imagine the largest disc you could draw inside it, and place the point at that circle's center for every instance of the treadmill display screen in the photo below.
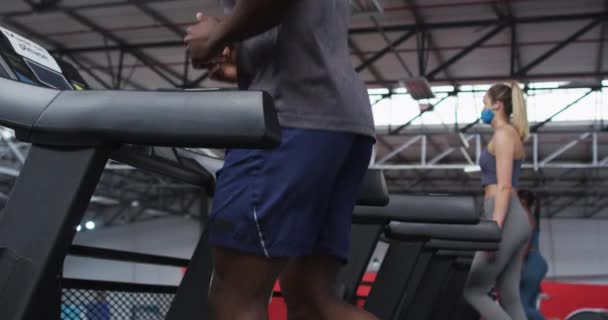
(48, 76)
(30, 50)
(30, 63)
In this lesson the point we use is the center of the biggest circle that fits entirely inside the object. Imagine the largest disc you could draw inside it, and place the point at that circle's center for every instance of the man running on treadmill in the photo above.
(286, 212)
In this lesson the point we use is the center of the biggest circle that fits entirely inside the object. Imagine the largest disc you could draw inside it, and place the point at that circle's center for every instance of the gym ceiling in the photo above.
(137, 44)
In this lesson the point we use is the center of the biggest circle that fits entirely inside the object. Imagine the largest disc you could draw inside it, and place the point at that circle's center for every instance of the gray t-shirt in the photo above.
(305, 65)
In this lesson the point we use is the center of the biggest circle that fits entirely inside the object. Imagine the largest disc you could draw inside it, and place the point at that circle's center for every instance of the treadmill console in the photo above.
(23, 60)
(26, 61)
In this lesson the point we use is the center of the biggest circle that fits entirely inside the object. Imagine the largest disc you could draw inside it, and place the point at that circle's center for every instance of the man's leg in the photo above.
(242, 284)
(308, 285)
(276, 203)
(309, 282)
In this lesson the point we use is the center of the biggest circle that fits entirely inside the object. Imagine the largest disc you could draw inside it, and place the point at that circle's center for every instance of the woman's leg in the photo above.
(487, 268)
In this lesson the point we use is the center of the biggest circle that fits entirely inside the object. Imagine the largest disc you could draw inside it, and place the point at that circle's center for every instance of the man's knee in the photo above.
(305, 294)
(302, 301)
(242, 284)
(301, 309)
(308, 284)
(228, 291)
(300, 292)
(237, 303)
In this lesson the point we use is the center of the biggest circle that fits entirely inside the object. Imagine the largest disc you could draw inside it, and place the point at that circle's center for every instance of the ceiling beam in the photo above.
(484, 22)
(79, 60)
(543, 57)
(357, 51)
(387, 40)
(398, 130)
(196, 82)
(497, 77)
(365, 63)
(599, 64)
(102, 5)
(431, 42)
(539, 125)
(506, 12)
(150, 62)
(409, 30)
(596, 210)
(169, 25)
(489, 35)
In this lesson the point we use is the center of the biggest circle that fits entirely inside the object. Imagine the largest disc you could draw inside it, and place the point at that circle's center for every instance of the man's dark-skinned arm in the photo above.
(251, 17)
(210, 36)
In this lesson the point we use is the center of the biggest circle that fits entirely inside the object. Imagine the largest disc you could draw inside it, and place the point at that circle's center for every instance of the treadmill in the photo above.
(369, 225)
(73, 135)
(427, 235)
(431, 273)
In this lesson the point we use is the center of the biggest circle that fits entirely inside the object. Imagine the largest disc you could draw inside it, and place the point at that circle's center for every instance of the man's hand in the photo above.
(202, 41)
(225, 70)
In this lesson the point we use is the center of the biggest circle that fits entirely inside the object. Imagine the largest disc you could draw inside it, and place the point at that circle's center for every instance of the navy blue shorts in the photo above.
(293, 201)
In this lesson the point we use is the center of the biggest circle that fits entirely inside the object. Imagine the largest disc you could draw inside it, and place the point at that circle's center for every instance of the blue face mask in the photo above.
(487, 115)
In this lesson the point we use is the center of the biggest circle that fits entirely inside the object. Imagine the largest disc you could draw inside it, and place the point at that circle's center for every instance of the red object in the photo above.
(277, 310)
(564, 298)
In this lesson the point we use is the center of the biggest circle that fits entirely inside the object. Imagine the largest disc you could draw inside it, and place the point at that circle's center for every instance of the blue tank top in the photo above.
(487, 162)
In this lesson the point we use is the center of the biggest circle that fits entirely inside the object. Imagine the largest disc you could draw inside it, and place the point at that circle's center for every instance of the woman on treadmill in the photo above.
(505, 111)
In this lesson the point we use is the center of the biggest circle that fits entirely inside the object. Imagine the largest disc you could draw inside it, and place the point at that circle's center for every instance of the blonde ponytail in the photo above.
(520, 114)
(512, 97)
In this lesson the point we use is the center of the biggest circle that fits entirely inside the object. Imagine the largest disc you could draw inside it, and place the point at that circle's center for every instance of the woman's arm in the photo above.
(504, 149)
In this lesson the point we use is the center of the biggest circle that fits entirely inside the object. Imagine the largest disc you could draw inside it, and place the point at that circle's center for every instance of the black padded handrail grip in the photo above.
(414, 208)
(461, 245)
(22, 104)
(483, 231)
(161, 118)
(374, 191)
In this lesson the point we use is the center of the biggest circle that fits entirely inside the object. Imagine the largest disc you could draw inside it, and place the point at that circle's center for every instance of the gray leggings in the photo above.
(501, 270)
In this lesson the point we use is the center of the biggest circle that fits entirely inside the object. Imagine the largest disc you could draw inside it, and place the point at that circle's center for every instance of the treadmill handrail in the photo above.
(487, 231)
(161, 118)
(21, 104)
(414, 208)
